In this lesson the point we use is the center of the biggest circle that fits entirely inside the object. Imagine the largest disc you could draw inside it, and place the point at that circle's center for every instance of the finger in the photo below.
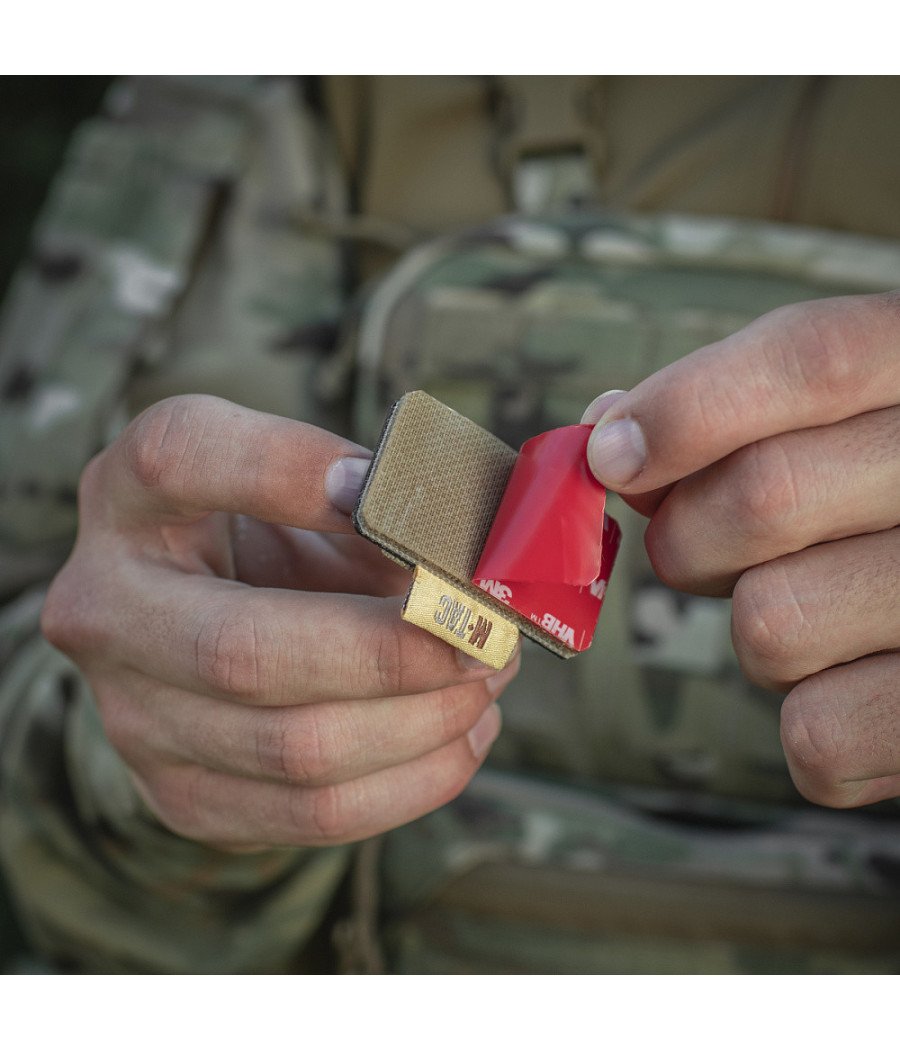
(778, 496)
(280, 556)
(189, 455)
(823, 606)
(800, 366)
(309, 746)
(268, 647)
(643, 502)
(235, 813)
(841, 733)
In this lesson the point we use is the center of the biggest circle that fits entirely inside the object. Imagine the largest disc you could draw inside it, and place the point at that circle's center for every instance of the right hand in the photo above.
(255, 677)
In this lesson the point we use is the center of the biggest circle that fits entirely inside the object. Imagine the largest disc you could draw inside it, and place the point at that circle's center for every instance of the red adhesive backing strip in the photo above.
(547, 554)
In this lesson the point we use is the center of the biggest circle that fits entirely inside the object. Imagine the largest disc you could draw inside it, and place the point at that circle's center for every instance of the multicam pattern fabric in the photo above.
(638, 815)
(521, 875)
(138, 288)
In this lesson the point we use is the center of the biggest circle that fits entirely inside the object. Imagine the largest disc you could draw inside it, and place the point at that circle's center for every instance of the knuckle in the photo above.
(382, 661)
(769, 628)
(765, 489)
(327, 813)
(292, 748)
(159, 443)
(813, 738)
(821, 349)
(372, 664)
(147, 443)
(227, 655)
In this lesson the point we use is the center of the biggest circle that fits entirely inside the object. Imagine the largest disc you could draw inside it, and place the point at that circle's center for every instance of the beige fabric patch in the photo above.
(434, 486)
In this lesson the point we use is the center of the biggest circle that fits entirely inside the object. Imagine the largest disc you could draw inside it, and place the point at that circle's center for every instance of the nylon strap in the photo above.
(550, 143)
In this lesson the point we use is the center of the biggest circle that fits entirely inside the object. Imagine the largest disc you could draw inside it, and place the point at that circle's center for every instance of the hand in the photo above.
(769, 465)
(257, 678)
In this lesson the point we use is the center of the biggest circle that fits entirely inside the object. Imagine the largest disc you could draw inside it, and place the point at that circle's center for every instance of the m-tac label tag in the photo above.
(460, 619)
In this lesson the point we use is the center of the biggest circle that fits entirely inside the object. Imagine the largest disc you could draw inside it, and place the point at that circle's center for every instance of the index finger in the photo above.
(272, 647)
(189, 455)
(799, 366)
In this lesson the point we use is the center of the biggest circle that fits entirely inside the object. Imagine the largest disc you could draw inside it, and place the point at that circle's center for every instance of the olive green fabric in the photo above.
(219, 236)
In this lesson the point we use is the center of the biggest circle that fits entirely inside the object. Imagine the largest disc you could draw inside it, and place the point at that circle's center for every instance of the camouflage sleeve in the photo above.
(170, 257)
(99, 884)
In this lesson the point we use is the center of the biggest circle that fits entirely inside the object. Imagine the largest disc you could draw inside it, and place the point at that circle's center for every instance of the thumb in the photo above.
(643, 502)
(192, 454)
(800, 366)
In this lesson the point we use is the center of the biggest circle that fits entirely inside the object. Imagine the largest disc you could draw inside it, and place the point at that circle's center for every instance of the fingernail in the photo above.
(485, 732)
(600, 404)
(617, 452)
(344, 480)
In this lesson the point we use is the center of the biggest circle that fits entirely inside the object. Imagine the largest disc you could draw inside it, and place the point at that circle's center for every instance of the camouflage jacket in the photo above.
(514, 246)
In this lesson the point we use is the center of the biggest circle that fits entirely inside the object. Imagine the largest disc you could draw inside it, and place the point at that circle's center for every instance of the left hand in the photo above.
(769, 465)
(245, 648)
